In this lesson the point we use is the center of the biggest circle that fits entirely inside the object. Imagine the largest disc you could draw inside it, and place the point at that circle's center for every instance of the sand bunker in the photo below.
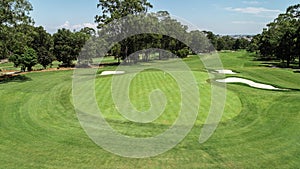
(248, 82)
(9, 73)
(105, 73)
(229, 72)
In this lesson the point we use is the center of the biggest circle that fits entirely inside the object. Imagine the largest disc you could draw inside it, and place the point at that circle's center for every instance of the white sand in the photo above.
(3, 60)
(229, 72)
(9, 73)
(105, 73)
(248, 82)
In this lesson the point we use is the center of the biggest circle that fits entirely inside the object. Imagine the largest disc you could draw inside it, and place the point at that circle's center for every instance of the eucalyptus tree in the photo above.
(116, 9)
(112, 10)
(198, 41)
(253, 45)
(12, 13)
(279, 39)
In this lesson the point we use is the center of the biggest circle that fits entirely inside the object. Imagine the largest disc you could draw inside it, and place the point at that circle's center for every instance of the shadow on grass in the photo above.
(16, 78)
(109, 64)
(297, 71)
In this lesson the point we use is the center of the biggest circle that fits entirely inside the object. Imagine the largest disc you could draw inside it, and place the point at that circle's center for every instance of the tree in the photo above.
(213, 40)
(279, 40)
(220, 44)
(63, 49)
(12, 13)
(116, 9)
(88, 31)
(253, 45)
(26, 60)
(42, 43)
(88, 52)
(286, 47)
(265, 46)
(68, 45)
(297, 50)
(20, 38)
(198, 42)
(228, 42)
(183, 53)
(5, 41)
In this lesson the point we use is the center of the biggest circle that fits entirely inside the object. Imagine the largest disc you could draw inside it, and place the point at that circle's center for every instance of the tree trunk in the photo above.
(288, 62)
(29, 68)
(160, 55)
(23, 69)
(126, 52)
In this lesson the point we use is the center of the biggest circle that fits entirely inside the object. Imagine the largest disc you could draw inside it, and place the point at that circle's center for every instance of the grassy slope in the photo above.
(39, 128)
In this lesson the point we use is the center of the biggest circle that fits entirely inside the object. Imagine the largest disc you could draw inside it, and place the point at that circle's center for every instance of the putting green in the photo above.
(146, 82)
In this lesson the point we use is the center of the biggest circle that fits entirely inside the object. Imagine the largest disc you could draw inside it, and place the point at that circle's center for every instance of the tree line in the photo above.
(180, 41)
(281, 39)
(26, 45)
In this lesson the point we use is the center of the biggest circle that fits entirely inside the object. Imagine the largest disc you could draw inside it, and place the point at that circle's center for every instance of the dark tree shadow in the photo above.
(16, 78)
(109, 64)
(296, 71)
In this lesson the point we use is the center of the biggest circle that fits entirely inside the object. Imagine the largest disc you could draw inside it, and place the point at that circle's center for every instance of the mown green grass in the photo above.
(146, 82)
(260, 128)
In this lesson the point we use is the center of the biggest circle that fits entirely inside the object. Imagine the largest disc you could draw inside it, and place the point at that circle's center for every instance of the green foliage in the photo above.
(28, 36)
(68, 45)
(220, 44)
(241, 43)
(197, 37)
(177, 37)
(116, 9)
(26, 60)
(42, 43)
(12, 14)
(183, 53)
(279, 40)
(253, 45)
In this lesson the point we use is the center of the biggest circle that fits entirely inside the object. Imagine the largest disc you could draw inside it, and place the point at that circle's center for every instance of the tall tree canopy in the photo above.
(112, 10)
(279, 40)
(116, 9)
(68, 45)
(12, 13)
(42, 43)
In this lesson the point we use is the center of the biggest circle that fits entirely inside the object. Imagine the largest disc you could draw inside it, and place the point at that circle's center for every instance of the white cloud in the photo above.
(252, 2)
(247, 22)
(253, 10)
(258, 11)
(67, 25)
(243, 22)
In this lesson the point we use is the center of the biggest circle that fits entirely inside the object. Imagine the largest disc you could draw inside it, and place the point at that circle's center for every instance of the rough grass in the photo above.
(260, 129)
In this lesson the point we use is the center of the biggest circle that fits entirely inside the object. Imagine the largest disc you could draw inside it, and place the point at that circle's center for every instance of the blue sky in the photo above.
(219, 16)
